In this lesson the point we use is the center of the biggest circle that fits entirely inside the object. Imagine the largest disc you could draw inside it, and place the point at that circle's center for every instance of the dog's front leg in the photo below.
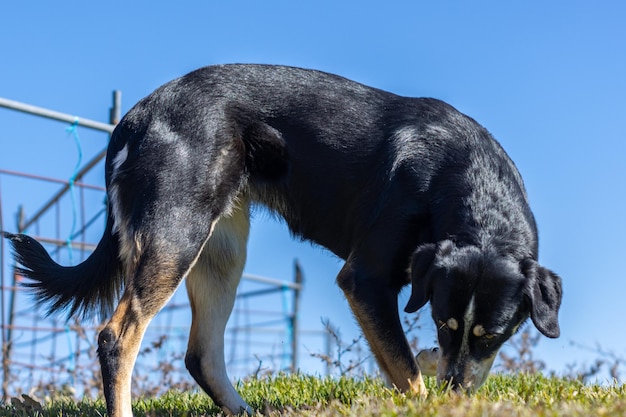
(375, 304)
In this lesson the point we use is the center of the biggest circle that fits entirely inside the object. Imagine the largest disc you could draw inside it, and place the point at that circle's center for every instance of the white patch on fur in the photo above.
(119, 222)
(476, 372)
(128, 245)
(116, 212)
(119, 159)
(402, 147)
(468, 320)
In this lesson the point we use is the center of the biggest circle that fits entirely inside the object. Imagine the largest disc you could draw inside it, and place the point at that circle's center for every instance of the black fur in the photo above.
(66, 287)
(108, 352)
(403, 189)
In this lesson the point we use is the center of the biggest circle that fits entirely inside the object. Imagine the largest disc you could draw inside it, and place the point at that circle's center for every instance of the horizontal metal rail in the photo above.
(50, 179)
(272, 281)
(55, 115)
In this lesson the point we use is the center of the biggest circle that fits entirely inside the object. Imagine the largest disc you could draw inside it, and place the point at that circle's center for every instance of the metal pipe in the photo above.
(295, 324)
(55, 115)
(116, 111)
(272, 281)
(258, 292)
(5, 358)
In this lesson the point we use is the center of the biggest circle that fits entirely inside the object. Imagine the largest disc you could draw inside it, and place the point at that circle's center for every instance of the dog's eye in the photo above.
(490, 339)
(480, 332)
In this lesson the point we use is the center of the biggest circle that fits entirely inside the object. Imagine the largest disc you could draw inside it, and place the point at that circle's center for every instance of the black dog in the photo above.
(402, 189)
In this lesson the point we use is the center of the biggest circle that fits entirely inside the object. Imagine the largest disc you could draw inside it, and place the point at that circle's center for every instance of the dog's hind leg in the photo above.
(158, 272)
(156, 263)
(212, 286)
(159, 250)
(172, 173)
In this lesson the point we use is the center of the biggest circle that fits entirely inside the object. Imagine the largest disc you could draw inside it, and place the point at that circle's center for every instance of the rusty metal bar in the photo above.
(50, 179)
(60, 242)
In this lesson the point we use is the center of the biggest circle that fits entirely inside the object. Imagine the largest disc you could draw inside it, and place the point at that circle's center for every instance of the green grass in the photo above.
(299, 395)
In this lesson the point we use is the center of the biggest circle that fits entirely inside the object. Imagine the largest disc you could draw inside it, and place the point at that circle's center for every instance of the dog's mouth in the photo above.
(461, 375)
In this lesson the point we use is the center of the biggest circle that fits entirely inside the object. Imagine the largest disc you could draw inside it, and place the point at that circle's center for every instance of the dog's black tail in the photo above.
(90, 287)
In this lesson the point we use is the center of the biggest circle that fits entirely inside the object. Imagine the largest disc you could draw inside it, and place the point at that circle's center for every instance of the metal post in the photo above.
(327, 339)
(5, 360)
(299, 280)
(116, 111)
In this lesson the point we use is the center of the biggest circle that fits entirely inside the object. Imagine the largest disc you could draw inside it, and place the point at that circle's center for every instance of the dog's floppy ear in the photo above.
(421, 263)
(544, 291)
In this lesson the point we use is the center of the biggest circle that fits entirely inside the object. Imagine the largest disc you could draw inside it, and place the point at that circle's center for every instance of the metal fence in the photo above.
(44, 352)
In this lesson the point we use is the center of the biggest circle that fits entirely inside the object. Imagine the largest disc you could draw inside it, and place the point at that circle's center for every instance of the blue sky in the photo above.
(546, 78)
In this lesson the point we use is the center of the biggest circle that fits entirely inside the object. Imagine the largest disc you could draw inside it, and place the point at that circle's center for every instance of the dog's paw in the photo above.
(418, 387)
(427, 360)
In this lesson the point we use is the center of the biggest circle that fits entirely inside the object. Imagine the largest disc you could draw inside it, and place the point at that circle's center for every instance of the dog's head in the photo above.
(479, 299)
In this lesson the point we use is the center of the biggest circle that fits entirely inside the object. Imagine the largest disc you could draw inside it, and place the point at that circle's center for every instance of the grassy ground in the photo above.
(522, 395)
